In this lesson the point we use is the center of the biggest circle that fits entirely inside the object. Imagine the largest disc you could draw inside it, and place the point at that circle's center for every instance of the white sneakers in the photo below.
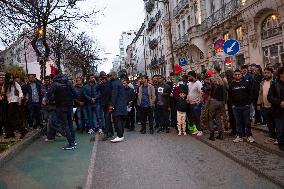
(250, 139)
(238, 139)
(197, 133)
(179, 133)
(117, 139)
(91, 131)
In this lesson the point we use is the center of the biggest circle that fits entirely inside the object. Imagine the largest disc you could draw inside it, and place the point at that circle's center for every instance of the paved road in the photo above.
(166, 161)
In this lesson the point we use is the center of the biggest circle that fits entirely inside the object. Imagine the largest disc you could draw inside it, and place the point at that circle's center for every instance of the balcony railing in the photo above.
(150, 5)
(162, 60)
(158, 15)
(180, 7)
(224, 12)
(271, 32)
(153, 44)
(181, 42)
(154, 63)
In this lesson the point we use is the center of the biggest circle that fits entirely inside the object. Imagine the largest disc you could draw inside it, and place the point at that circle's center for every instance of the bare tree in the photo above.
(38, 15)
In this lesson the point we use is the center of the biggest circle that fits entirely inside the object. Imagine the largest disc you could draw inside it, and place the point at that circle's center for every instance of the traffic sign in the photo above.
(231, 47)
(182, 61)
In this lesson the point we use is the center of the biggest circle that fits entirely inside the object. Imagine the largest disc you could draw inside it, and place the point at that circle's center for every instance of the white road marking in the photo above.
(90, 177)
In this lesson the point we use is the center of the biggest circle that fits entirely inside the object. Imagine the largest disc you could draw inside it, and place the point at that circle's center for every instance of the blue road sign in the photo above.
(182, 61)
(231, 47)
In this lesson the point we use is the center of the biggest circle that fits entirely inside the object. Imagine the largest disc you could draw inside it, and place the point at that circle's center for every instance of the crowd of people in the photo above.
(191, 103)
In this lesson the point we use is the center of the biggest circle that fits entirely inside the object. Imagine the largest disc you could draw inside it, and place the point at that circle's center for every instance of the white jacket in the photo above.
(11, 97)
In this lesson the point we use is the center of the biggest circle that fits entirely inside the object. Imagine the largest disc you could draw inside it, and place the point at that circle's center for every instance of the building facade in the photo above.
(124, 41)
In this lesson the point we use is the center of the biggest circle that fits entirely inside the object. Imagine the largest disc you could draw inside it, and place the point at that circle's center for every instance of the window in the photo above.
(183, 27)
(243, 2)
(212, 6)
(271, 26)
(226, 36)
(179, 35)
(188, 21)
(239, 33)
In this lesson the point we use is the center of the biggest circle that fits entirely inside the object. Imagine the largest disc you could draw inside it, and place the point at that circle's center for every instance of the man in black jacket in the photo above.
(276, 98)
(240, 98)
(64, 94)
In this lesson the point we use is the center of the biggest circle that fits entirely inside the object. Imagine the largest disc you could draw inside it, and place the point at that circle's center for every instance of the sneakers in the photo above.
(91, 131)
(238, 139)
(49, 140)
(117, 139)
(100, 131)
(195, 133)
(276, 142)
(250, 139)
(200, 133)
(179, 133)
(184, 133)
(69, 147)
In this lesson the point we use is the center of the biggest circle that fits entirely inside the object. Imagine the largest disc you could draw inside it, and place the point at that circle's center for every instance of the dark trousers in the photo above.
(173, 115)
(119, 123)
(215, 113)
(163, 114)
(232, 119)
(1, 127)
(144, 114)
(34, 110)
(157, 118)
(64, 120)
(242, 117)
(108, 130)
(14, 121)
(130, 119)
(258, 114)
(268, 119)
(51, 125)
(279, 123)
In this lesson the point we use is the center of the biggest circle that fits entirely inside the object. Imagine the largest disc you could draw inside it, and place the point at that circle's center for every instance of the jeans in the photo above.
(279, 123)
(82, 117)
(196, 112)
(108, 130)
(51, 125)
(144, 114)
(94, 114)
(268, 119)
(34, 109)
(232, 119)
(119, 123)
(64, 119)
(242, 117)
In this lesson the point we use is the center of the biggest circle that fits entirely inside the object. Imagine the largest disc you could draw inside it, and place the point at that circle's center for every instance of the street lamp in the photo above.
(167, 3)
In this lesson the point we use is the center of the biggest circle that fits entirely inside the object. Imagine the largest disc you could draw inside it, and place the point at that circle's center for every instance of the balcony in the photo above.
(151, 24)
(220, 15)
(158, 15)
(271, 32)
(154, 63)
(181, 42)
(153, 44)
(165, 20)
(180, 7)
(149, 6)
(194, 31)
(162, 60)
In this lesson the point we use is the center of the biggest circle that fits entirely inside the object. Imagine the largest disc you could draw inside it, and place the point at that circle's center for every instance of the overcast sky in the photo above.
(119, 16)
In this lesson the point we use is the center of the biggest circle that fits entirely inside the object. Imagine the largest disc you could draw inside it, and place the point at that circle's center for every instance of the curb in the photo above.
(267, 149)
(17, 148)
(244, 164)
(259, 129)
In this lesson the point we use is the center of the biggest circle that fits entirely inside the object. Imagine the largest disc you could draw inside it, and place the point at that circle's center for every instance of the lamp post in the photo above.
(167, 4)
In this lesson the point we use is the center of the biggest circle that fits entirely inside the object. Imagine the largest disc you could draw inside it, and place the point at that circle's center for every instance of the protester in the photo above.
(194, 98)
(3, 106)
(276, 98)
(240, 97)
(64, 93)
(130, 119)
(13, 93)
(119, 102)
(146, 102)
(181, 107)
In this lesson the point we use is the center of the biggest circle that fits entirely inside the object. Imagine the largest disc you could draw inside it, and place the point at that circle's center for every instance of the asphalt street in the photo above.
(167, 161)
(159, 161)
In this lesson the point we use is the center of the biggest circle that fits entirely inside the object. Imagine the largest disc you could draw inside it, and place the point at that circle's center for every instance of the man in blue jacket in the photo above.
(94, 112)
(119, 102)
(64, 93)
